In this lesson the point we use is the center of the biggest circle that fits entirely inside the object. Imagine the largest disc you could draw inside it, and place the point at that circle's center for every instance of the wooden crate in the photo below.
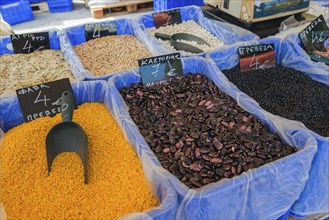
(124, 7)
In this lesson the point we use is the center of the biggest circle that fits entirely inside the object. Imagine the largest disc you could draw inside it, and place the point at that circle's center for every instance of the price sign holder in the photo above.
(165, 18)
(160, 69)
(42, 100)
(28, 43)
(98, 30)
(314, 35)
(254, 57)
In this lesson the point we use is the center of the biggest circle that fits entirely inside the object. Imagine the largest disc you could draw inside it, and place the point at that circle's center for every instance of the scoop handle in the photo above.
(67, 106)
(162, 36)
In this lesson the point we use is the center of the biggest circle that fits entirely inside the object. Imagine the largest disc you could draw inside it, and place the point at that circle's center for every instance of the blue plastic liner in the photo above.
(227, 33)
(263, 193)
(17, 12)
(162, 5)
(55, 44)
(76, 35)
(97, 91)
(315, 197)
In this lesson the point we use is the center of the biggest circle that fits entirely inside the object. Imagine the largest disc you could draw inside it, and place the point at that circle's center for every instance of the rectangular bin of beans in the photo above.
(216, 34)
(297, 44)
(226, 158)
(17, 12)
(103, 56)
(26, 69)
(116, 184)
(296, 89)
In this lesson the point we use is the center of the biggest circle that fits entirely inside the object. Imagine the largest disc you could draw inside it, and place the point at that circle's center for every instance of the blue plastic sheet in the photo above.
(315, 197)
(263, 193)
(6, 47)
(97, 91)
(76, 35)
(227, 33)
(161, 5)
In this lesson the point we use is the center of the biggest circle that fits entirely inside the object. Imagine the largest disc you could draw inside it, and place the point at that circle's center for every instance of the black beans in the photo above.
(288, 93)
(197, 144)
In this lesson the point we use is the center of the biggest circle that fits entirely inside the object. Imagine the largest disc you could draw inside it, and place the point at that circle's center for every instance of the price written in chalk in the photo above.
(160, 69)
(28, 43)
(43, 99)
(255, 57)
(314, 35)
(98, 30)
(165, 18)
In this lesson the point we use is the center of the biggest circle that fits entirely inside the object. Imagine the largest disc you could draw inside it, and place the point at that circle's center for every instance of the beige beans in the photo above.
(22, 70)
(111, 54)
(189, 27)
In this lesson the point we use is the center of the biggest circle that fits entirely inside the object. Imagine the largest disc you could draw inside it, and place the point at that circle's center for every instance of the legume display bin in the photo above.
(97, 91)
(315, 197)
(263, 193)
(73, 36)
(297, 44)
(7, 48)
(227, 33)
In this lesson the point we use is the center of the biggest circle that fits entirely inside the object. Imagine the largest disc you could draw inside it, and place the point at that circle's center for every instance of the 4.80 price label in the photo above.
(28, 43)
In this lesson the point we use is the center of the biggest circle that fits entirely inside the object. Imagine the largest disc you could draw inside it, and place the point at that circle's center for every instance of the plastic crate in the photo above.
(60, 5)
(161, 5)
(4, 2)
(17, 12)
(36, 1)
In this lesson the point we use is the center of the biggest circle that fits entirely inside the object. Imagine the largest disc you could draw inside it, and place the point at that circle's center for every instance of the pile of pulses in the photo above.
(116, 185)
(325, 54)
(23, 70)
(188, 27)
(111, 54)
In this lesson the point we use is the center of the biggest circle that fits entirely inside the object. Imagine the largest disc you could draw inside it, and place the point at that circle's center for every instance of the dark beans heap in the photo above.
(288, 93)
(199, 133)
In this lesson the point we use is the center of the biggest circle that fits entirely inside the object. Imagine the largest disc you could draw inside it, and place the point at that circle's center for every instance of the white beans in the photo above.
(22, 70)
(189, 27)
(111, 54)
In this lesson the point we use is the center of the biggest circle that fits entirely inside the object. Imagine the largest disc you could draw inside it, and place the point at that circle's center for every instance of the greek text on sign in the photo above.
(160, 69)
(43, 99)
(314, 35)
(260, 56)
(98, 30)
(28, 43)
(165, 18)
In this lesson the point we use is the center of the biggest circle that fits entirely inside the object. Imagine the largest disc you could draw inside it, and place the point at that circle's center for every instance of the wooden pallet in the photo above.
(124, 7)
(40, 7)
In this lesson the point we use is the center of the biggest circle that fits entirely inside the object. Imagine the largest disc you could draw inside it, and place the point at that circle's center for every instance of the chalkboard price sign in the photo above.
(314, 35)
(28, 43)
(165, 18)
(42, 100)
(160, 69)
(98, 30)
(254, 57)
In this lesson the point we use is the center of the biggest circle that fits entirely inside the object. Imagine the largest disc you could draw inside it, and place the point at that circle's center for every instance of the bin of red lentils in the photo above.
(23, 70)
(119, 185)
(101, 55)
(225, 156)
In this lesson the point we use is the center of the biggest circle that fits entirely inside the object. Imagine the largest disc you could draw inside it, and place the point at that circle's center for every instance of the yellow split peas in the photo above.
(116, 185)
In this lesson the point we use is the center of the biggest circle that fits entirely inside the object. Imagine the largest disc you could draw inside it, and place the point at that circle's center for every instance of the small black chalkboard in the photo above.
(28, 43)
(98, 30)
(254, 57)
(165, 18)
(42, 100)
(319, 58)
(157, 70)
(314, 35)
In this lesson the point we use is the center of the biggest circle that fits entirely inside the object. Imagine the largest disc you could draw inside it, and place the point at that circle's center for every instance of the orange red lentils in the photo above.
(116, 185)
